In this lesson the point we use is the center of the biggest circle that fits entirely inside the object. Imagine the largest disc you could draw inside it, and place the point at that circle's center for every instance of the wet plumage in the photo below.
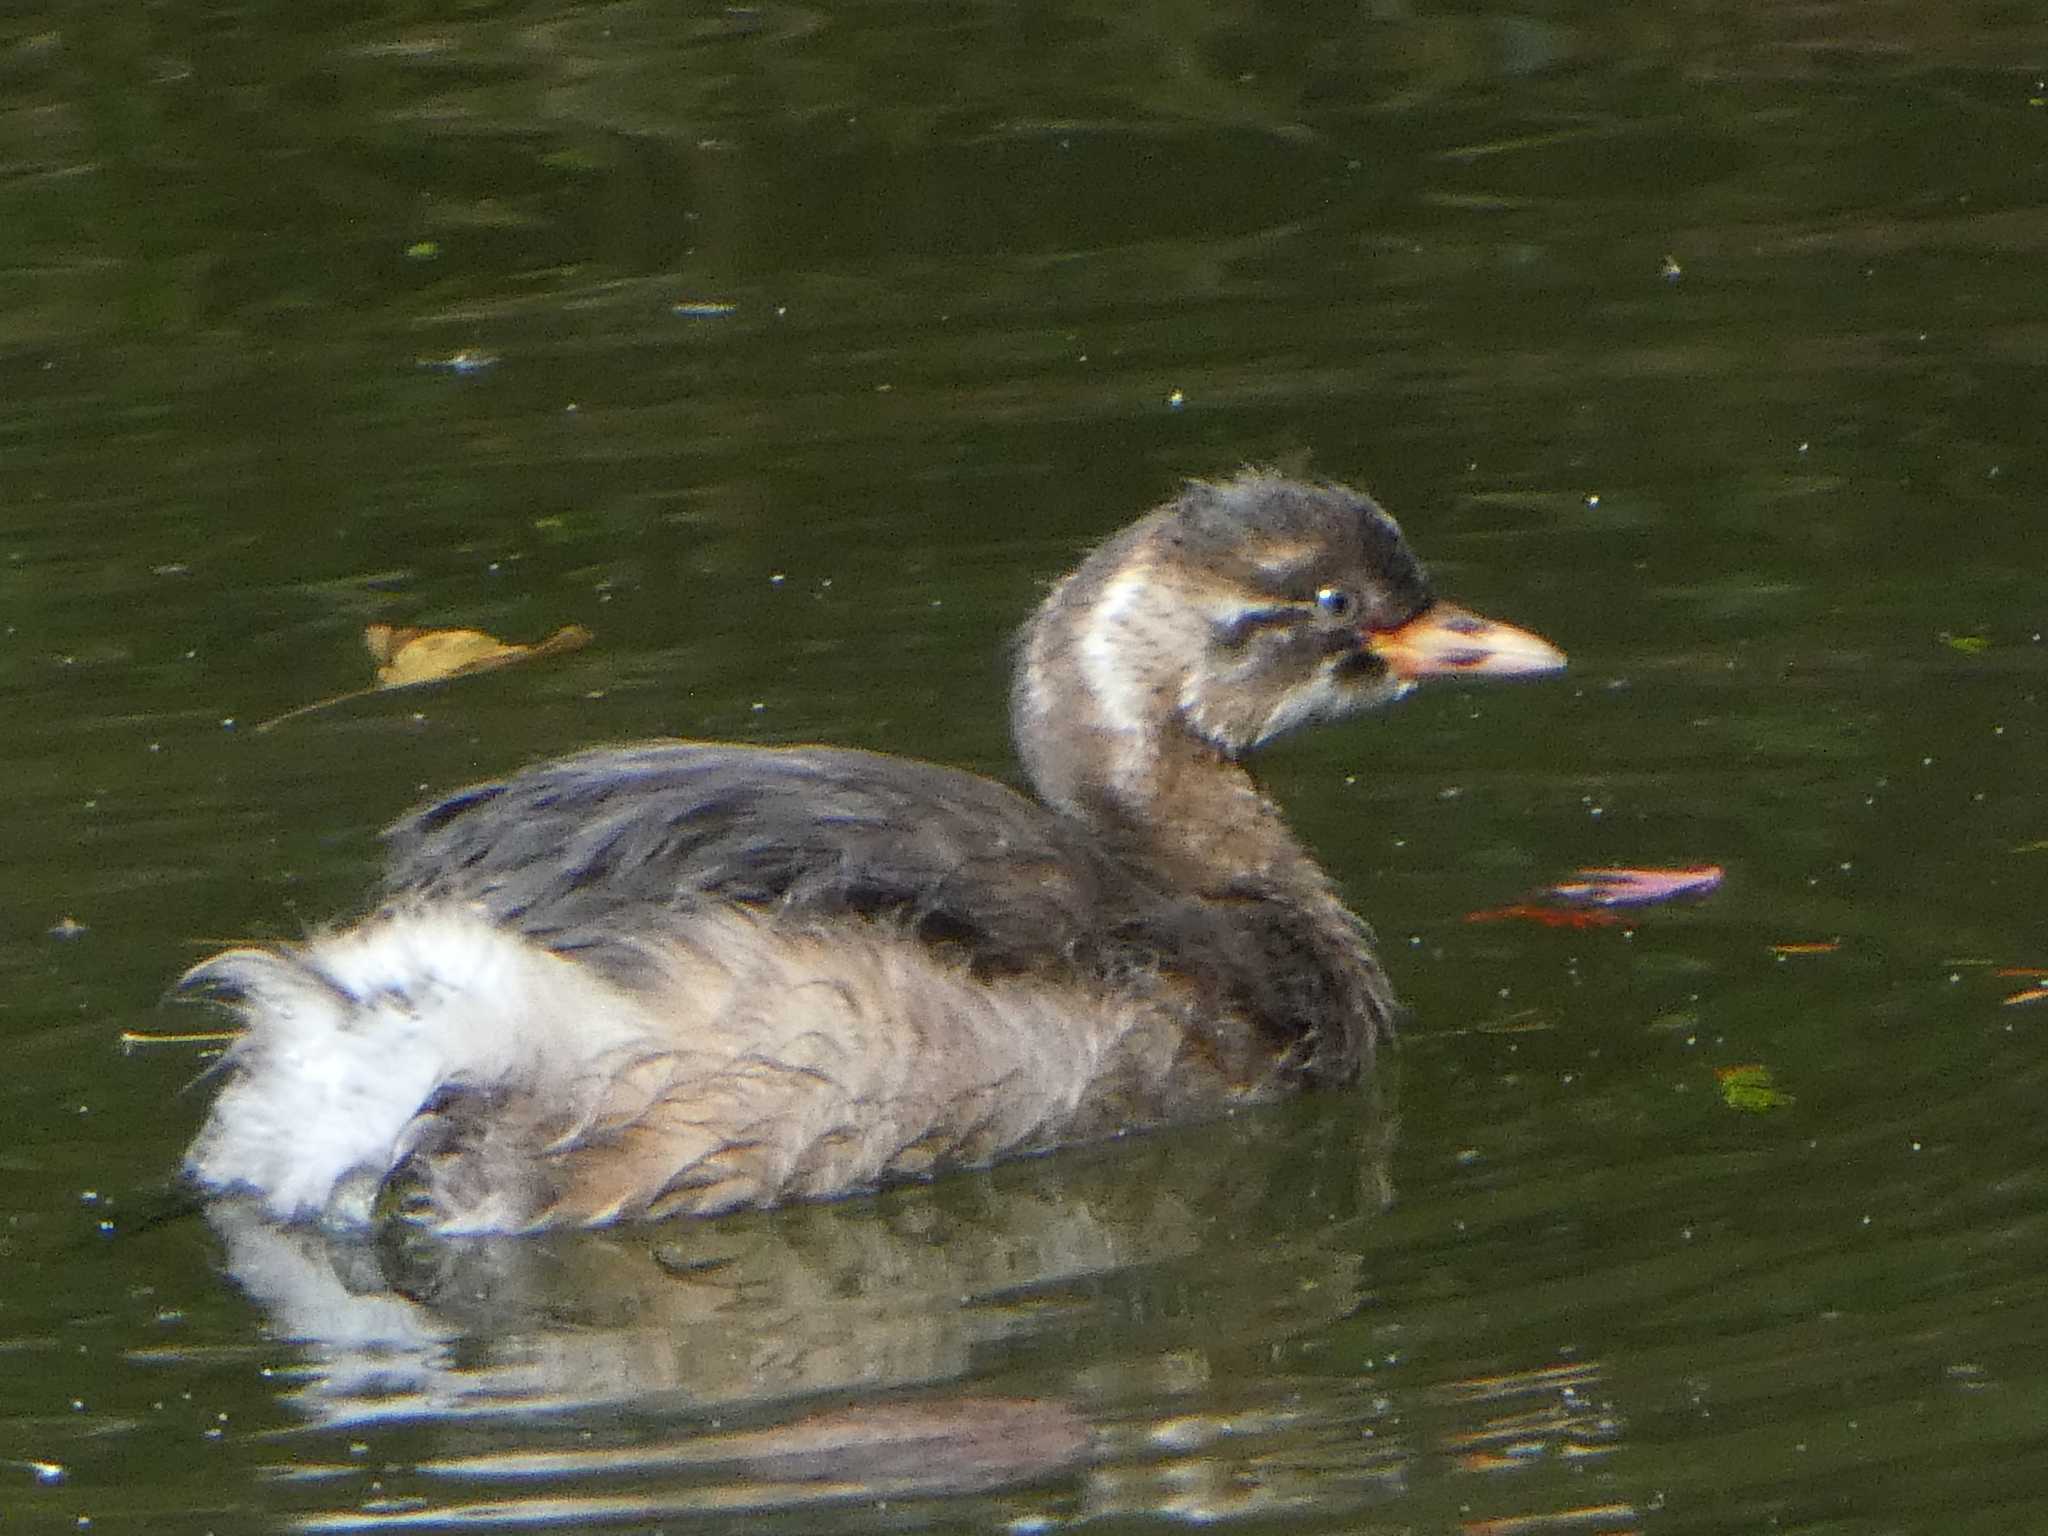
(675, 977)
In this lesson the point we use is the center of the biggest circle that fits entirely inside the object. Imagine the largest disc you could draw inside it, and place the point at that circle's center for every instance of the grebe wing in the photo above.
(592, 852)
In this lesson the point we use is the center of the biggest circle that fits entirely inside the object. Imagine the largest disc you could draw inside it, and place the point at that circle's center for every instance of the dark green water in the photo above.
(792, 351)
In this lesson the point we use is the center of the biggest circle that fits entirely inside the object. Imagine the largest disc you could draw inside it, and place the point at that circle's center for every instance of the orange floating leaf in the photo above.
(1548, 917)
(1808, 947)
(1617, 887)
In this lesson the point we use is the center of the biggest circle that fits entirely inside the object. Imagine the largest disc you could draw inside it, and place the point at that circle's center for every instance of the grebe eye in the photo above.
(1336, 603)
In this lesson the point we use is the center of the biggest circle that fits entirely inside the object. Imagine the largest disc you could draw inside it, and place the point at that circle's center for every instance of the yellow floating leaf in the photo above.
(409, 657)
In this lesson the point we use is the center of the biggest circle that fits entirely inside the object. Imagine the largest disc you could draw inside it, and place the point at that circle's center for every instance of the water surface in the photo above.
(793, 351)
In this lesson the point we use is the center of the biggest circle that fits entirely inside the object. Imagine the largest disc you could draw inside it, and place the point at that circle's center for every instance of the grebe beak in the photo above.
(1448, 641)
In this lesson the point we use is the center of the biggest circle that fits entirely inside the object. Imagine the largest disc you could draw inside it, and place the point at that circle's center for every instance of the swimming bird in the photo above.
(678, 977)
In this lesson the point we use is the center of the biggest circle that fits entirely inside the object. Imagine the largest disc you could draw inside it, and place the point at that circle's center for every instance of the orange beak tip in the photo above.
(1448, 641)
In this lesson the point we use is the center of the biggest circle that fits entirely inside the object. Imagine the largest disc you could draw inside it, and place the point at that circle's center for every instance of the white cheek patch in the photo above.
(1318, 699)
(1119, 653)
(1105, 652)
(1325, 697)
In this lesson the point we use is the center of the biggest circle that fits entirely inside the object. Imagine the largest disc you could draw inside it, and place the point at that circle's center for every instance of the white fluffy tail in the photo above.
(351, 1037)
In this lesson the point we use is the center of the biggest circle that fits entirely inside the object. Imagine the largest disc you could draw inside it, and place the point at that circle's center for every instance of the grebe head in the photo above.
(1236, 613)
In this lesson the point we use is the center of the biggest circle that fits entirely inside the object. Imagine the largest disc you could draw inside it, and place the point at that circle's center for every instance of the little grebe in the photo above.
(677, 977)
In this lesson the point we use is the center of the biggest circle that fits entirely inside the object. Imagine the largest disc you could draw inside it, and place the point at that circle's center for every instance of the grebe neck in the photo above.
(1109, 732)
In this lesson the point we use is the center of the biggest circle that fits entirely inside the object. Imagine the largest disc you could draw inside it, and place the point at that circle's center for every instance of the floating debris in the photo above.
(1616, 887)
(463, 362)
(1751, 1089)
(1548, 917)
(409, 658)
